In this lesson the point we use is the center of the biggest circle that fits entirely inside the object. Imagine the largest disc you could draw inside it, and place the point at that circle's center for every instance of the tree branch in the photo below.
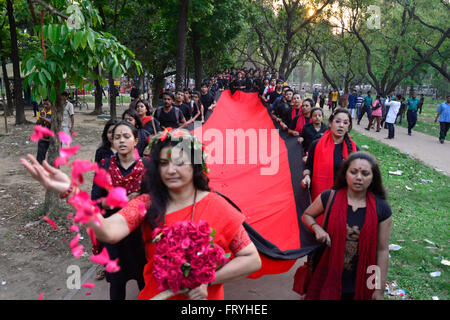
(50, 8)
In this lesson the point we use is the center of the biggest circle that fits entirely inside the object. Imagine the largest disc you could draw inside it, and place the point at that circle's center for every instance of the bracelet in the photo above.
(66, 193)
(311, 226)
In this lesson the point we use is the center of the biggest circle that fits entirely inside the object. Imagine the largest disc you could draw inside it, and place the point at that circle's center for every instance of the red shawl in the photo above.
(323, 175)
(326, 282)
(146, 119)
(301, 121)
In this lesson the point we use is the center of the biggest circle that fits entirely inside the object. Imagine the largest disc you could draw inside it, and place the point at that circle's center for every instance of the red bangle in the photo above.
(66, 193)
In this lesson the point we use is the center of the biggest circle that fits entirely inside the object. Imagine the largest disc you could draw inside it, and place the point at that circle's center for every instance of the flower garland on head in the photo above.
(185, 138)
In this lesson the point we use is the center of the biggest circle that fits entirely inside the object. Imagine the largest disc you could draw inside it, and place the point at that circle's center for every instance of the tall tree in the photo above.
(183, 9)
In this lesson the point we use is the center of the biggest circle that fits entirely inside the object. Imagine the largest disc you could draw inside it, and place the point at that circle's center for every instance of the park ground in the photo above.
(34, 258)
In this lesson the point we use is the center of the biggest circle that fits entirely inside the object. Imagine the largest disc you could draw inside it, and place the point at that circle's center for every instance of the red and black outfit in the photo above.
(342, 270)
(324, 160)
(130, 250)
(298, 120)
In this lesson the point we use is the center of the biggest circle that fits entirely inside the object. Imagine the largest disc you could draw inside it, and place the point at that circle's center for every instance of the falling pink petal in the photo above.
(77, 251)
(74, 228)
(69, 151)
(74, 134)
(70, 216)
(79, 167)
(117, 197)
(142, 209)
(60, 161)
(51, 222)
(91, 234)
(88, 293)
(101, 258)
(136, 154)
(112, 266)
(64, 138)
(74, 241)
(40, 132)
(102, 178)
(88, 285)
(41, 296)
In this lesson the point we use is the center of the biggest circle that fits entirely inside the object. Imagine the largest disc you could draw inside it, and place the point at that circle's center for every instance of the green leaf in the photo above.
(91, 39)
(52, 94)
(29, 64)
(77, 39)
(52, 66)
(42, 79)
(47, 74)
(84, 39)
(54, 33)
(43, 91)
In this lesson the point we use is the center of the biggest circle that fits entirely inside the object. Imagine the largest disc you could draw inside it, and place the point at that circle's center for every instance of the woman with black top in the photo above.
(149, 123)
(126, 172)
(313, 130)
(357, 234)
(133, 118)
(300, 119)
(106, 149)
(326, 155)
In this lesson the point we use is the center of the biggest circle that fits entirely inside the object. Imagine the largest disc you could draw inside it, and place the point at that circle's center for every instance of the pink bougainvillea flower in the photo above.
(178, 133)
(64, 137)
(69, 151)
(84, 206)
(74, 228)
(91, 234)
(74, 134)
(101, 258)
(75, 240)
(82, 166)
(60, 161)
(70, 216)
(41, 296)
(88, 285)
(51, 222)
(112, 266)
(102, 178)
(40, 132)
(77, 251)
(117, 197)
(88, 293)
(142, 209)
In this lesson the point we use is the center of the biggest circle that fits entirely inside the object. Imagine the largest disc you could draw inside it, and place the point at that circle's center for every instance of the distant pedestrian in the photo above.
(411, 113)
(421, 100)
(394, 107)
(366, 108)
(376, 113)
(443, 113)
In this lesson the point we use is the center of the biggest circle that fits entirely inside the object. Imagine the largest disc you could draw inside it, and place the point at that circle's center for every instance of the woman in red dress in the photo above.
(175, 188)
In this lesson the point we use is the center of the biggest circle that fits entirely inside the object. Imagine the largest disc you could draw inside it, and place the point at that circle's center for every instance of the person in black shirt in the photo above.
(277, 92)
(283, 108)
(197, 108)
(179, 103)
(168, 115)
(314, 130)
(238, 84)
(361, 238)
(106, 149)
(207, 100)
(131, 116)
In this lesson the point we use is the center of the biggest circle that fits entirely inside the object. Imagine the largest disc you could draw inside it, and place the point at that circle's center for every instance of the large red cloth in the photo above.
(257, 176)
(323, 166)
(326, 283)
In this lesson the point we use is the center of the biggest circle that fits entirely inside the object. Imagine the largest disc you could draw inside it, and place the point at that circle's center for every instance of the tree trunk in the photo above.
(313, 67)
(9, 105)
(112, 97)
(98, 95)
(181, 47)
(52, 201)
(18, 88)
(197, 58)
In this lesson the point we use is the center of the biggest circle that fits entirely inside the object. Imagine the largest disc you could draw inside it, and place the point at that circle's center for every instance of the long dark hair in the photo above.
(347, 139)
(153, 185)
(133, 113)
(376, 187)
(105, 142)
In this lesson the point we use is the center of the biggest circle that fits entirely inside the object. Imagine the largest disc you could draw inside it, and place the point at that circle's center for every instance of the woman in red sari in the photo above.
(175, 188)
(357, 234)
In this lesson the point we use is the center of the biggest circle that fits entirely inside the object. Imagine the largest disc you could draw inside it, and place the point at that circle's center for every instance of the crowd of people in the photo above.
(358, 228)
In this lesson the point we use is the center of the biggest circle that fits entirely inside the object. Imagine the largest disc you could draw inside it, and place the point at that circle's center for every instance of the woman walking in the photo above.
(357, 234)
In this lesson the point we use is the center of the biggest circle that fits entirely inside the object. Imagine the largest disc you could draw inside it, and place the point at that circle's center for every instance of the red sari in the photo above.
(214, 209)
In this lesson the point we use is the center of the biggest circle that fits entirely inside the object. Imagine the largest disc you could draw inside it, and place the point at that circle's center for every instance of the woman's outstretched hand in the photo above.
(51, 178)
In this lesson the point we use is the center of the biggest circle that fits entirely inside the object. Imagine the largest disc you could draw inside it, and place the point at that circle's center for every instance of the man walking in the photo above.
(68, 115)
(366, 108)
(443, 113)
(394, 107)
(411, 113)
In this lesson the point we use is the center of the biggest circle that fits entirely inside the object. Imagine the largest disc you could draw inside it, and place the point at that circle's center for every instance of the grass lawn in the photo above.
(420, 216)
(425, 120)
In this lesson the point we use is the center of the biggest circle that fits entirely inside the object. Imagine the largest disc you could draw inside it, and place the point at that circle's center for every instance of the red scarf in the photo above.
(326, 283)
(323, 175)
(301, 120)
(146, 119)
(132, 182)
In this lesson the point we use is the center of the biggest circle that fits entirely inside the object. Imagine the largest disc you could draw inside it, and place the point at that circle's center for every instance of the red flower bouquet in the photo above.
(185, 257)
